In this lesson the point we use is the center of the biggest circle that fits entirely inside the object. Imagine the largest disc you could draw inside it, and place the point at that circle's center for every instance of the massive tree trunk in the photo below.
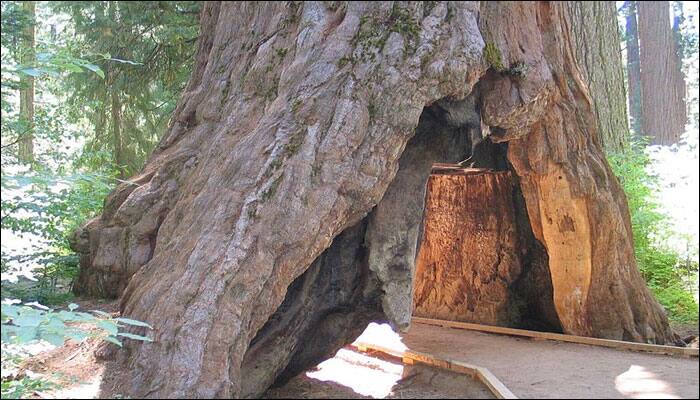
(634, 77)
(597, 49)
(282, 210)
(663, 84)
(25, 153)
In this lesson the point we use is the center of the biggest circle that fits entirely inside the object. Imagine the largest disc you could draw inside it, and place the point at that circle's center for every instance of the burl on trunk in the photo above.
(282, 209)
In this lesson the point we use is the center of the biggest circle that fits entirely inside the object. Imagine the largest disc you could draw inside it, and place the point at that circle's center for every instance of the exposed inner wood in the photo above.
(470, 256)
(479, 260)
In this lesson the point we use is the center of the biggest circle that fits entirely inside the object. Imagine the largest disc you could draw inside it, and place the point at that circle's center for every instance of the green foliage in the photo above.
(22, 324)
(50, 64)
(493, 57)
(666, 272)
(106, 78)
(43, 205)
(51, 205)
(47, 208)
(518, 69)
(146, 50)
(55, 63)
(24, 388)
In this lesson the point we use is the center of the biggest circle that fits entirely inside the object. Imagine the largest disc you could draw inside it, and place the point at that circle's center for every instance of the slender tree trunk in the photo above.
(281, 211)
(117, 142)
(634, 77)
(597, 47)
(116, 108)
(663, 84)
(26, 92)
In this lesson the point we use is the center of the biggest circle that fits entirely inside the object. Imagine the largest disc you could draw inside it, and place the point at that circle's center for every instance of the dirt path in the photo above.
(548, 369)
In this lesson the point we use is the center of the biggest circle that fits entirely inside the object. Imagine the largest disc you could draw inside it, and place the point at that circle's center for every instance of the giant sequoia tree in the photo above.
(662, 80)
(282, 209)
(597, 49)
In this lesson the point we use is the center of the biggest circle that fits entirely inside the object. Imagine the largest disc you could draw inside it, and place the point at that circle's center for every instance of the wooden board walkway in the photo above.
(616, 344)
(539, 366)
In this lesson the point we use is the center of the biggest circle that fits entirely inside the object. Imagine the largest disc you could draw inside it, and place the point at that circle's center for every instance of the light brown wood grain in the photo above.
(469, 256)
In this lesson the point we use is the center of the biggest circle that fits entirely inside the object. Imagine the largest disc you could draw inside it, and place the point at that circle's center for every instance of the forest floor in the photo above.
(529, 368)
(551, 369)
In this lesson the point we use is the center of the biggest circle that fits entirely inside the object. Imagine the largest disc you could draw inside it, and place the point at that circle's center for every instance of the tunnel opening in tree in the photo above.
(478, 260)
(368, 273)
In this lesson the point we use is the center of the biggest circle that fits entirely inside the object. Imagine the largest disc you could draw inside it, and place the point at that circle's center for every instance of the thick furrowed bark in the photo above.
(597, 50)
(292, 130)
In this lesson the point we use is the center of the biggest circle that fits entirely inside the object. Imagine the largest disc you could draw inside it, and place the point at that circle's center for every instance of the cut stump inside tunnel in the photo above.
(478, 261)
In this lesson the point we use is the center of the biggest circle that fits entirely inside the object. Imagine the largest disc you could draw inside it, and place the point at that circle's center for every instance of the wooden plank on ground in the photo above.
(410, 357)
(494, 384)
(616, 344)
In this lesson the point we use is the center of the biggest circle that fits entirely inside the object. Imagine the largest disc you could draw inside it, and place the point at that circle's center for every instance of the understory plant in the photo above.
(42, 208)
(669, 274)
(23, 324)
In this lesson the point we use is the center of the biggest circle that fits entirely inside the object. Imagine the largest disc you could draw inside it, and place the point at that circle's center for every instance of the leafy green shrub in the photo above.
(664, 270)
(680, 304)
(23, 388)
(493, 56)
(25, 323)
(48, 207)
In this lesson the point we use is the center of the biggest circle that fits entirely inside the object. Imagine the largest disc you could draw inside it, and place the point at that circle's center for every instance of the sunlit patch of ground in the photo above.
(71, 368)
(382, 335)
(354, 374)
(640, 383)
(367, 376)
(89, 390)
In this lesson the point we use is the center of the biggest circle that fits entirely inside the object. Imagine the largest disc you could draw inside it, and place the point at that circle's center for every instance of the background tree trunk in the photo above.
(26, 92)
(663, 84)
(634, 77)
(118, 143)
(597, 48)
(299, 142)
